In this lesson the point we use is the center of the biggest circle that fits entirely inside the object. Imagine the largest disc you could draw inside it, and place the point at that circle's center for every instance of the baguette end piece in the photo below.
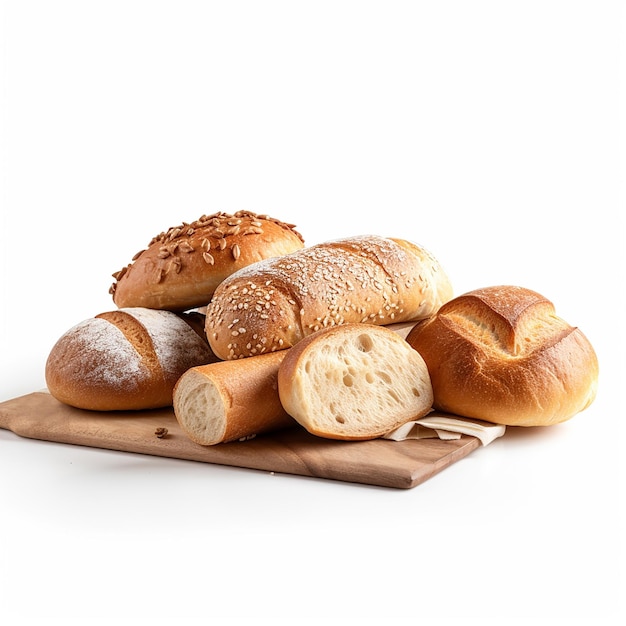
(199, 407)
(231, 400)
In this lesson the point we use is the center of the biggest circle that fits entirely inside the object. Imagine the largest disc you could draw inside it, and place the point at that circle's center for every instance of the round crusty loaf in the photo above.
(502, 355)
(230, 400)
(354, 382)
(126, 359)
(273, 304)
(181, 267)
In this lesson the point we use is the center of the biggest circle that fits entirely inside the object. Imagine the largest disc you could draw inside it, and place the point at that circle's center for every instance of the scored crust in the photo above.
(501, 354)
(181, 267)
(128, 359)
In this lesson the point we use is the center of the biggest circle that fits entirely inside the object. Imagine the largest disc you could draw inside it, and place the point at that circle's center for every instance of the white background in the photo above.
(488, 132)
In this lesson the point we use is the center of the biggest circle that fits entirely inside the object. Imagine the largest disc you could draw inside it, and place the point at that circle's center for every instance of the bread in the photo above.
(126, 359)
(354, 382)
(502, 355)
(230, 400)
(181, 267)
(273, 304)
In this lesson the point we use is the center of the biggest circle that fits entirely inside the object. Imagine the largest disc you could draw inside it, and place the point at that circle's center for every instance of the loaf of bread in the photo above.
(126, 359)
(230, 400)
(273, 304)
(354, 382)
(181, 267)
(502, 355)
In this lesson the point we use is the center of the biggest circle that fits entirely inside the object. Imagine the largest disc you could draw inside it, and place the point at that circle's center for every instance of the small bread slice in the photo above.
(354, 382)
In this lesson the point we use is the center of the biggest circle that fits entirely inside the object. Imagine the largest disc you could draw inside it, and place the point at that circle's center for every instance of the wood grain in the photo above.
(398, 464)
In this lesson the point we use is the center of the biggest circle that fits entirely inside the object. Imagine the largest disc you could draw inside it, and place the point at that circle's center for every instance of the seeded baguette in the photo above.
(273, 304)
(501, 354)
(128, 359)
(354, 382)
(181, 267)
(230, 400)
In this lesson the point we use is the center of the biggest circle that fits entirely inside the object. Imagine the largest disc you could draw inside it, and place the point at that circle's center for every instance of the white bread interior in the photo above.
(354, 382)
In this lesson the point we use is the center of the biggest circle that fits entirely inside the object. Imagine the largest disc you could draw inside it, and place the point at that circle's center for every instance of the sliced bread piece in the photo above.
(354, 382)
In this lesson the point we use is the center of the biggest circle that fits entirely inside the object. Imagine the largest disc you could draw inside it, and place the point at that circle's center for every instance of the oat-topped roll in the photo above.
(274, 303)
(182, 266)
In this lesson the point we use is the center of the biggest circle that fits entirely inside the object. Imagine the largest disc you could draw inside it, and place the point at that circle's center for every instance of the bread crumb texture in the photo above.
(200, 408)
(354, 382)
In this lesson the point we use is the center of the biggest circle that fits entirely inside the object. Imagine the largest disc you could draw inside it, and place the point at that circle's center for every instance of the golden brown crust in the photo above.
(230, 400)
(127, 359)
(181, 267)
(502, 355)
(273, 304)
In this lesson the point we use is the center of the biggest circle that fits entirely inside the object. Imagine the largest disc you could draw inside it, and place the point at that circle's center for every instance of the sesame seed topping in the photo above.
(316, 281)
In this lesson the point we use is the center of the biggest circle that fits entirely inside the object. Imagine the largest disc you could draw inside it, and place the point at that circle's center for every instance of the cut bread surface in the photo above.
(200, 407)
(354, 382)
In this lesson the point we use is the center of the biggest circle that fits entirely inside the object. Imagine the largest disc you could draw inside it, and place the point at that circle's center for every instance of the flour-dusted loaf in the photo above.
(126, 359)
(230, 400)
(273, 304)
(354, 382)
(501, 354)
(182, 266)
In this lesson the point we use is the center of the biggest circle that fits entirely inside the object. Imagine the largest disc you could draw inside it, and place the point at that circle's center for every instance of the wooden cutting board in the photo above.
(400, 464)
